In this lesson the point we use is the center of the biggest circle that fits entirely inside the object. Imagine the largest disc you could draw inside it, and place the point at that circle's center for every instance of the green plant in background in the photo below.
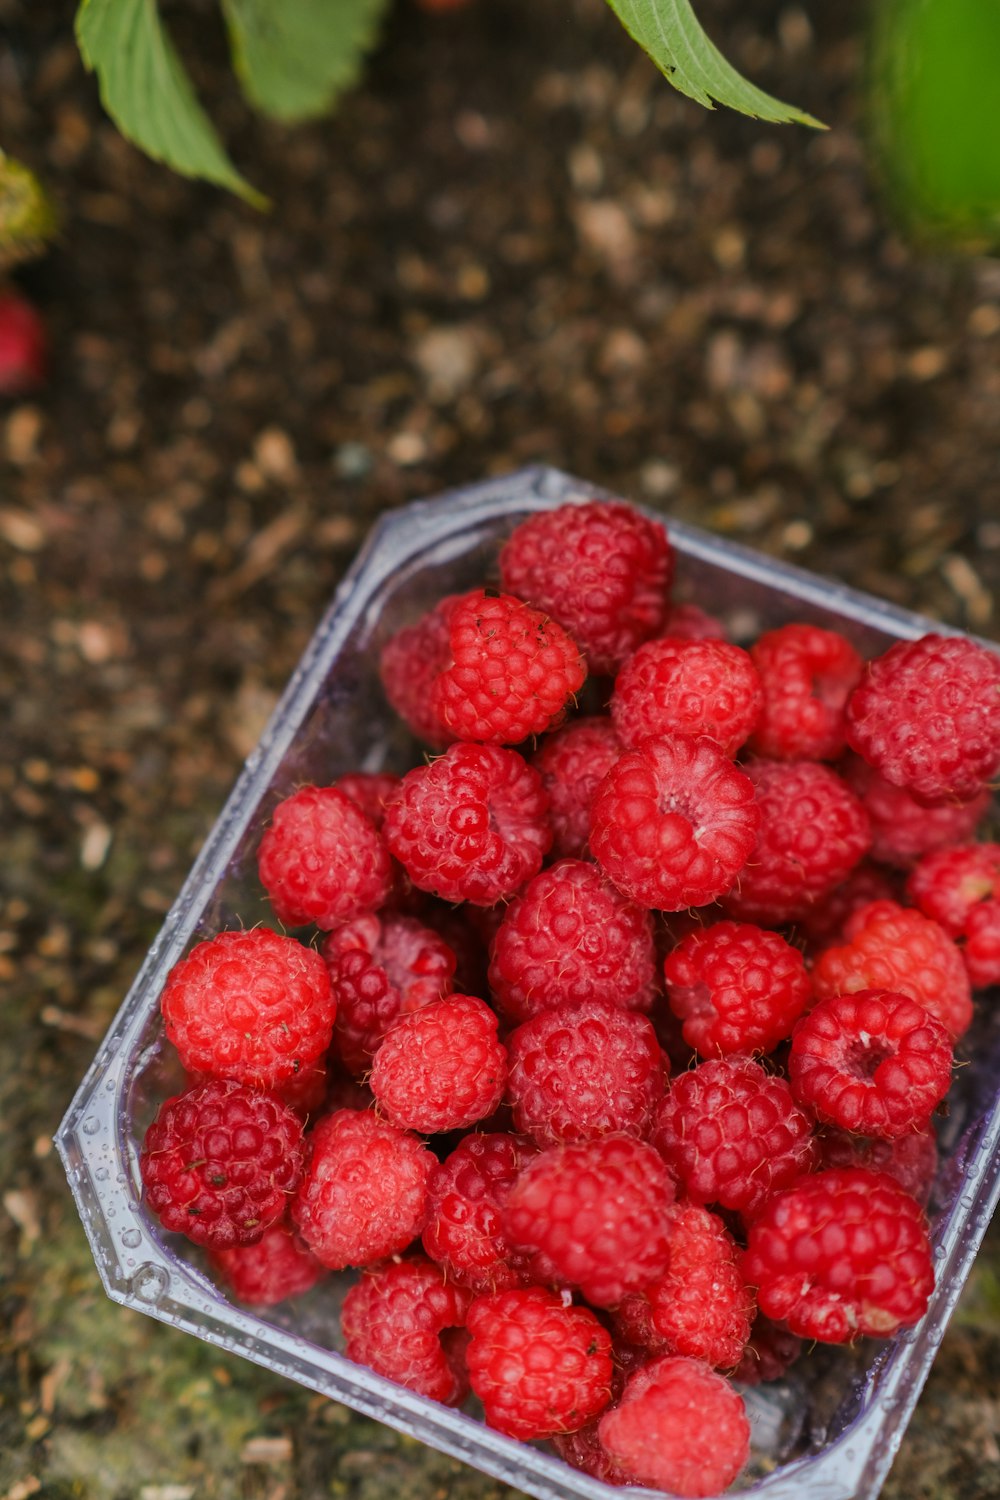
(293, 58)
(27, 218)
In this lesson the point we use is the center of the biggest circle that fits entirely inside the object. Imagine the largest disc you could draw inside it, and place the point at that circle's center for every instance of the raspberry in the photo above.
(392, 1320)
(825, 922)
(813, 832)
(770, 1352)
(960, 889)
(689, 622)
(582, 1071)
(23, 346)
(601, 570)
(219, 1162)
(911, 1159)
(466, 1196)
(572, 936)
(892, 947)
(736, 988)
(926, 714)
(471, 826)
(582, 1450)
(679, 1427)
(539, 1367)
(254, 1006)
(598, 1213)
(807, 675)
(700, 688)
(381, 968)
(733, 1134)
(369, 791)
(981, 949)
(278, 1266)
(701, 1306)
(441, 1068)
(510, 674)
(408, 665)
(902, 828)
(365, 1190)
(842, 1253)
(674, 822)
(873, 1062)
(321, 860)
(572, 763)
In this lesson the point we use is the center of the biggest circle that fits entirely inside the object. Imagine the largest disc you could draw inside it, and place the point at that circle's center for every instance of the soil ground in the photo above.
(513, 243)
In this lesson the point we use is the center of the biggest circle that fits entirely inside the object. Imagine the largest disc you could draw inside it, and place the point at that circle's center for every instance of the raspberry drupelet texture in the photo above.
(441, 1068)
(369, 790)
(701, 1306)
(511, 671)
(471, 826)
(572, 936)
(732, 1134)
(674, 822)
(689, 622)
(736, 988)
(700, 688)
(410, 662)
(382, 967)
(322, 860)
(279, 1265)
(601, 569)
(842, 1253)
(892, 947)
(807, 675)
(902, 828)
(771, 1350)
(813, 832)
(364, 1194)
(926, 714)
(874, 1062)
(254, 1006)
(912, 1158)
(220, 1162)
(393, 1319)
(572, 763)
(582, 1071)
(465, 1201)
(598, 1213)
(539, 1367)
(960, 889)
(680, 1427)
(825, 923)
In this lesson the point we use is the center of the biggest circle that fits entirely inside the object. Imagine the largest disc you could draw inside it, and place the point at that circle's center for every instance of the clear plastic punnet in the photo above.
(830, 1428)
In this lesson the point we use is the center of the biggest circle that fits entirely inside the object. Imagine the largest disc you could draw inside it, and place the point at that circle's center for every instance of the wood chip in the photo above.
(266, 1450)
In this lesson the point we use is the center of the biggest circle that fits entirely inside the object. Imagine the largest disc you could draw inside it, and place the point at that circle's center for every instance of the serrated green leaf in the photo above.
(293, 57)
(674, 38)
(146, 91)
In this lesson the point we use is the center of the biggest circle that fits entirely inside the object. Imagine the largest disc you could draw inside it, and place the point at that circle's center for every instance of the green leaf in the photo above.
(672, 35)
(146, 91)
(293, 57)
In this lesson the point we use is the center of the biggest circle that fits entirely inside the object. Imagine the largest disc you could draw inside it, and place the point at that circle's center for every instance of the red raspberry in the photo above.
(689, 622)
(582, 1071)
(23, 346)
(960, 889)
(538, 1365)
(466, 1196)
(441, 1068)
(701, 1306)
(926, 714)
(813, 832)
(842, 1253)
(911, 1159)
(219, 1162)
(601, 569)
(673, 823)
(825, 922)
(409, 663)
(701, 688)
(981, 949)
(370, 791)
(306, 1092)
(471, 826)
(598, 1212)
(807, 675)
(873, 1062)
(770, 1352)
(902, 828)
(679, 1427)
(381, 968)
(392, 1320)
(732, 1134)
(254, 1006)
(572, 936)
(321, 860)
(510, 674)
(275, 1268)
(892, 947)
(572, 763)
(364, 1196)
(582, 1450)
(736, 988)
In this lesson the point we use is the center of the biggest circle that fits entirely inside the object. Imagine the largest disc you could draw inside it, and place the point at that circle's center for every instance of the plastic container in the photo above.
(827, 1432)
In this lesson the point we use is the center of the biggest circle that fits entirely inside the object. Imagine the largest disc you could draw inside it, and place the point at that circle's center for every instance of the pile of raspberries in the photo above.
(606, 1041)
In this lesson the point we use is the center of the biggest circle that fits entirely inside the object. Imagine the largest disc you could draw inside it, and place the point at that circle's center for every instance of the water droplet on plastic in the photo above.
(91, 1125)
(132, 1238)
(102, 1174)
(149, 1283)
